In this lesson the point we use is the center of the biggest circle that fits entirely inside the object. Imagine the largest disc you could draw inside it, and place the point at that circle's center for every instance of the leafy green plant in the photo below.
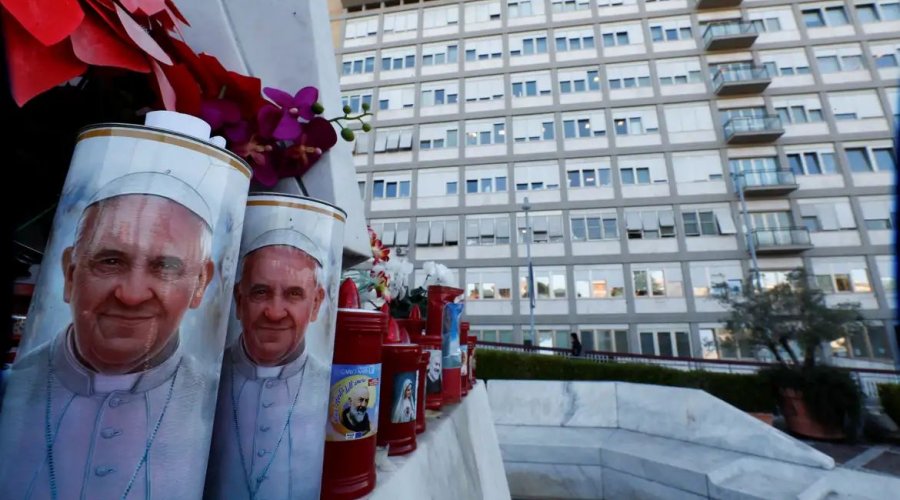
(747, 392)
(792, 321)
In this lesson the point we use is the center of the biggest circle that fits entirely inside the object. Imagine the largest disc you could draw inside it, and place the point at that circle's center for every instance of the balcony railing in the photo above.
(753, 79)
(743, 129)
(782, 239)
(729, 35)
(768, 181)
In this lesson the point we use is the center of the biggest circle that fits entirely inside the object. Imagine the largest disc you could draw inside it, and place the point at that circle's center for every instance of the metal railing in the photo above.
(728, 28)
(781, 237)
(747, 74)
(763, 178)
(868, 379)
(765, 123)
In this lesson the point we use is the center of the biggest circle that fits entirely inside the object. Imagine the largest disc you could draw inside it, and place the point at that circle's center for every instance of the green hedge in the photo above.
(889, 394)
(746, 392)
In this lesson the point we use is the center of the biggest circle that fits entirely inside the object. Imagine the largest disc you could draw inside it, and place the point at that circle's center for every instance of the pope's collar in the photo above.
(249, 369)
(84, 382)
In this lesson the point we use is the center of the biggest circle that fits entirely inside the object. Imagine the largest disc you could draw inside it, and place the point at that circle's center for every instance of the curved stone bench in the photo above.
(619, 440)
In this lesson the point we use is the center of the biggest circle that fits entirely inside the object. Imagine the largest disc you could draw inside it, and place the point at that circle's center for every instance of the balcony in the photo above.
(753, 129)
(717, 4)
(752, 80)
(781, 240)
(729, 35)
(768, 182)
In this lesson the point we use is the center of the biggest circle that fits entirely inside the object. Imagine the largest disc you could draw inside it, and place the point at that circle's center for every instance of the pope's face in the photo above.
(277, 298)
(137, 268)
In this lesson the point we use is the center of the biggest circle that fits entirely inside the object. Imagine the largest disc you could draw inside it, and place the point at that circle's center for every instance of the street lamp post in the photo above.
(526, 207)
(738, 178)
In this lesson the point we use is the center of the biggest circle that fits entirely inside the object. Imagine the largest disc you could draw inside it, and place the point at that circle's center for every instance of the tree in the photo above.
(789, 315)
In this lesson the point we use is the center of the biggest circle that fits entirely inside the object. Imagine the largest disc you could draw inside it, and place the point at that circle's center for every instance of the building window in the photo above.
(577, 128)
(720, 343)
(437, 233)
(700, 223)
(799, 114)
(868, 341)
(438, 138)
(604, 340)
(614, 39)
(499, 336)
(812, 162)
(589, 177)
(576, 40)
(829, 16)
(484, 232)
(544, 228)
(650, 224)
(358, 66)
(486, 185)
(356, 101)
(452, 187)
(483, 134)
(528, 46)
(533, 129)
(767, 25)
(836, 64)
(871, 159)
(390, 189)
(559, 6)
(488, 285)
(667, 344)
(594, 227)
(854, 281)
(548, 284)
(588, 81)
(441, 54)
(439, 97)
(635, 175)
(783, 68)
(652, 283)
(393, 234)
(605, 282)
(878, 214)
(394, 62)
(660, 33)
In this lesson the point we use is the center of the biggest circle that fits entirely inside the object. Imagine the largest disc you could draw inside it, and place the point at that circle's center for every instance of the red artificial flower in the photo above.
(380, 253)
(49, 42)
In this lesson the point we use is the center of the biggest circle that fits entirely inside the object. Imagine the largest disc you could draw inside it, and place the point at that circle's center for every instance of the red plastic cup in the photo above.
(420, 401)
(397, 415)
(349, 463)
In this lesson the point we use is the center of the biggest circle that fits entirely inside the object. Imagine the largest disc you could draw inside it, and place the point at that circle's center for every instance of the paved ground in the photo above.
(880, 458)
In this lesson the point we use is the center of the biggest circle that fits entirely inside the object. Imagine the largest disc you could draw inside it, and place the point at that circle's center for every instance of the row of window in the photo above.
(714, 342)
(823, 215)
(403, 25)
(579, 41)
(665, 280)
(690, 168)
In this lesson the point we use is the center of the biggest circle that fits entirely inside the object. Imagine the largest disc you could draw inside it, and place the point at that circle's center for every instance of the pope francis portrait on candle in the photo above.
(268, 438)
(105, 408)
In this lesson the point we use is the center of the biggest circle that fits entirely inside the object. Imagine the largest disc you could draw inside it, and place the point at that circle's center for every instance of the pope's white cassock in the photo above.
(263, 453)
(100, 427)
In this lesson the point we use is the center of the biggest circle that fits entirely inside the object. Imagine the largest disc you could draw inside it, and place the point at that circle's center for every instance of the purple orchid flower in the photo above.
(224, 117)
(292, 107)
